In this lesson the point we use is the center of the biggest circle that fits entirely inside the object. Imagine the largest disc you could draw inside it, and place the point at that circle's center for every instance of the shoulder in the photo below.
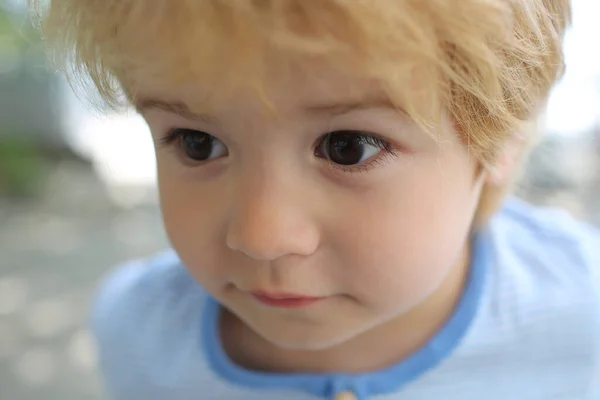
(547, 242)
(546, 272)
(541, 310)
(146, 322)
(140, 288)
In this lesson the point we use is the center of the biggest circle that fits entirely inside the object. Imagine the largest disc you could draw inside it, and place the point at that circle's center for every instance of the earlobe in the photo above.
(498, 174)
(502, 170)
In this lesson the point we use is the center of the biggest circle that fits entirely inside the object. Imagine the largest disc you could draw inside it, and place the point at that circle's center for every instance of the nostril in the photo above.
(267, 242)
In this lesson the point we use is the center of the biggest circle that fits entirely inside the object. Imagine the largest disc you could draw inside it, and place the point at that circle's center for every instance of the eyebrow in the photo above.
(333, 108)
(177, 107)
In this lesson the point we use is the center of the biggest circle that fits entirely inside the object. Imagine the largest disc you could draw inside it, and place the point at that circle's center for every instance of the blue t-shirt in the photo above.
(527, 327)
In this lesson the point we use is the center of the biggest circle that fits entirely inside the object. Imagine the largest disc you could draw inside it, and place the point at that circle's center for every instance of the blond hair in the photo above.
(490, 63)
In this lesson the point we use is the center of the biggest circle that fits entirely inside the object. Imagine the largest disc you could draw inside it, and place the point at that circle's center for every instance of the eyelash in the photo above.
(387, 150)
(172, 140)
(171, 136)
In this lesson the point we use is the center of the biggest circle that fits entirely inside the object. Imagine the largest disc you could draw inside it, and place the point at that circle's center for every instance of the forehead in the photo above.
(283, 85)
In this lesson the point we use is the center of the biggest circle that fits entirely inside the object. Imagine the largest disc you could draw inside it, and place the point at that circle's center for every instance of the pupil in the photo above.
(198, 146)
(345, 149)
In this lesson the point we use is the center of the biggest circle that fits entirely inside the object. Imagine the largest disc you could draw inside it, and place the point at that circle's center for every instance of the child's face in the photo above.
(370, 219)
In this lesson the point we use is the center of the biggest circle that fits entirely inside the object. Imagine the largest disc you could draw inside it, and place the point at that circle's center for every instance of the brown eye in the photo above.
(200, 146)
(349, 147)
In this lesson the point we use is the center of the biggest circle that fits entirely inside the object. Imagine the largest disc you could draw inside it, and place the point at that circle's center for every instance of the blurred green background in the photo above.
(68, 212)
(78, 195)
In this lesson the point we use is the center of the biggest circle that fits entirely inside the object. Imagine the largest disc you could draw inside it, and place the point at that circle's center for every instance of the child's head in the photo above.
(253, 105)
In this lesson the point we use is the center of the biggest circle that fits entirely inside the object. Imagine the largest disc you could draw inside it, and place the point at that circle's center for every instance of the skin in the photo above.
(385, 244)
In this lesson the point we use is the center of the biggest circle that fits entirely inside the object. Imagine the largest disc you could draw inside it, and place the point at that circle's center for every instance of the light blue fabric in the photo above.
(527, 327)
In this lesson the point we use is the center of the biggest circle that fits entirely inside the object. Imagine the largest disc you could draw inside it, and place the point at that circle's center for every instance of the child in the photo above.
(332, 177)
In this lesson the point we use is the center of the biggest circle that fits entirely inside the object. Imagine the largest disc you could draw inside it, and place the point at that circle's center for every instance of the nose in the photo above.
(269, 221)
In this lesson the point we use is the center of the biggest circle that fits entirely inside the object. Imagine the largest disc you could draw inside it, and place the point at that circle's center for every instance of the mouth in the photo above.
(285, 300)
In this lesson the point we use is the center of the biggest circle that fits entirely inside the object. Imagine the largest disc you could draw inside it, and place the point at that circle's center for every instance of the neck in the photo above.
(376, 349)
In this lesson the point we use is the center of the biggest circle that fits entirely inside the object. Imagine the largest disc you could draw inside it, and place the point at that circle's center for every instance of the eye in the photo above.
(350, 147)
(197, 145)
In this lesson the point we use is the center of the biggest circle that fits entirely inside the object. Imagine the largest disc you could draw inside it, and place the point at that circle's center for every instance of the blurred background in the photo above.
(78, 195)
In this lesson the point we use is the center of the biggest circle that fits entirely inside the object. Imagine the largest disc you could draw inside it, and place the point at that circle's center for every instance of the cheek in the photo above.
(404, 244)
(191, 221)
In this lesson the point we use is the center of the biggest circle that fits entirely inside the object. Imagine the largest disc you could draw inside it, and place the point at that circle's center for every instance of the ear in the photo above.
(504, 169)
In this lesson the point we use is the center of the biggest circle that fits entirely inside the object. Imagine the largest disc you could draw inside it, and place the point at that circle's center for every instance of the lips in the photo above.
(285, 300)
